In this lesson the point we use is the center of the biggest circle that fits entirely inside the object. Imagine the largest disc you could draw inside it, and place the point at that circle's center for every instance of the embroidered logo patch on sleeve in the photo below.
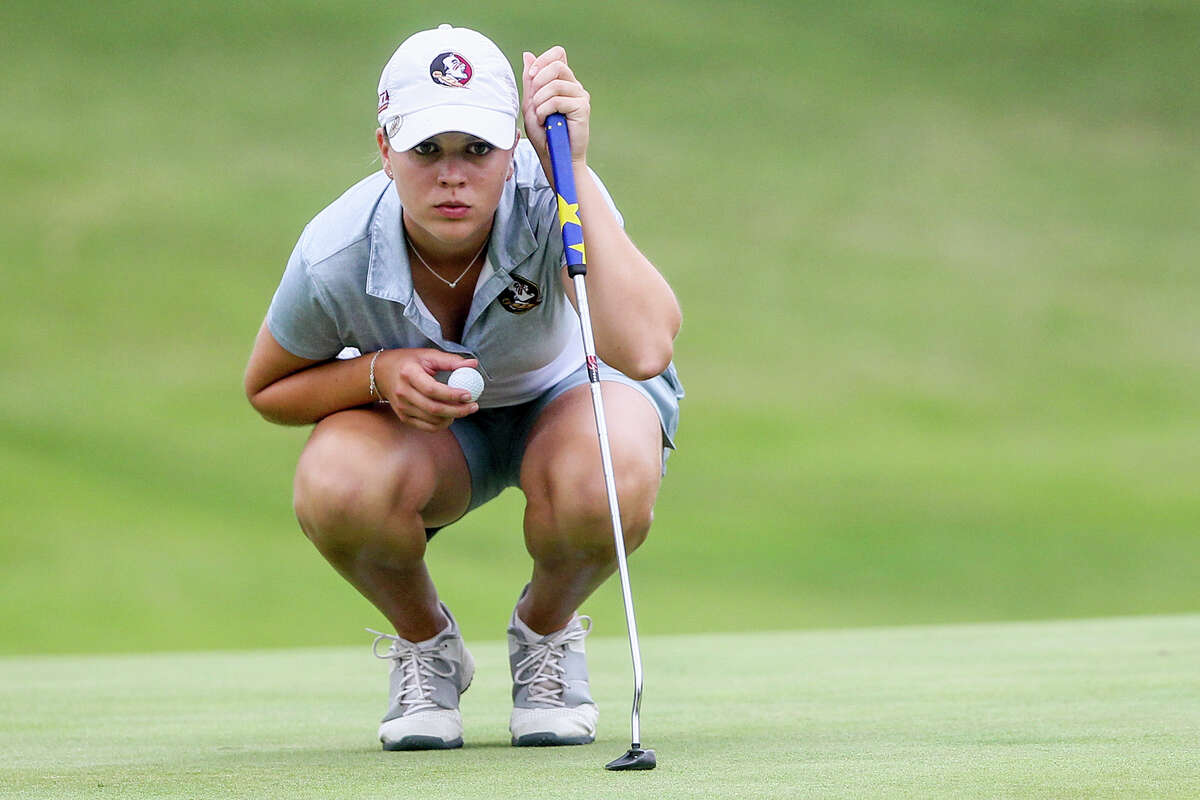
(520, 296)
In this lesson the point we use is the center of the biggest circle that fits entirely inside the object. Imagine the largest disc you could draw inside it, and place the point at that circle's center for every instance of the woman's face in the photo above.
(450, 186)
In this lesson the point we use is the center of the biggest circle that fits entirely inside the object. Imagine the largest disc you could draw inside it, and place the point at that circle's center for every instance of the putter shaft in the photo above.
(558, 140)
(589, 348)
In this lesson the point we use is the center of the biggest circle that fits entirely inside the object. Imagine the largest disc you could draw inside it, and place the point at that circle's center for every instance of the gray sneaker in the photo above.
(552, 704)
(424, 686)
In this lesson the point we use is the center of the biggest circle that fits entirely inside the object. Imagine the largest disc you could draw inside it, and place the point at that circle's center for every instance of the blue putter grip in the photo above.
(568, 201)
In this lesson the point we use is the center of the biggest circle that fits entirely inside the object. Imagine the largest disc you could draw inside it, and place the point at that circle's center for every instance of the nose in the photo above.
(451, 173)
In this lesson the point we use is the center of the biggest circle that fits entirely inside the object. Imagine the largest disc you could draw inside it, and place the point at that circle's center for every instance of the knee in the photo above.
(326, 496)
(345, 491)
(571, 518)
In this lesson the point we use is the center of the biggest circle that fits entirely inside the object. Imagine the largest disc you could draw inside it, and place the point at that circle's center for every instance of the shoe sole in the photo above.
(423, 743)
(547, 739)
(417, 742)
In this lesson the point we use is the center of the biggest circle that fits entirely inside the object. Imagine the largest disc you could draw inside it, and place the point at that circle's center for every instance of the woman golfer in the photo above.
(451, 257)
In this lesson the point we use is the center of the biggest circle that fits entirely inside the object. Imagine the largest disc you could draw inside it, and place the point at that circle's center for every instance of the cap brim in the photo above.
(496, 127)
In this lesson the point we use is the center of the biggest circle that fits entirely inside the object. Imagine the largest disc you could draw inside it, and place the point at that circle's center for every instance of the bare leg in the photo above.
(568, 526)
(366, 488)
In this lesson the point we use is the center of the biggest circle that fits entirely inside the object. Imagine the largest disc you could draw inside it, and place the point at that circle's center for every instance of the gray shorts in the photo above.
(493, 439)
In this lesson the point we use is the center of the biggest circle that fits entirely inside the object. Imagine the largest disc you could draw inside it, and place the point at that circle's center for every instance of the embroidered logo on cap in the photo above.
(520, 296)
(383, 101)
(450, 69)
(393, 126)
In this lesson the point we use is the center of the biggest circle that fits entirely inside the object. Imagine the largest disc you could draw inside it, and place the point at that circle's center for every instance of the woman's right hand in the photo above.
(405, 378)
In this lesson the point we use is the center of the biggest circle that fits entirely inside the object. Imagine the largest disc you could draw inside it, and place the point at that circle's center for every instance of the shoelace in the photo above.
(542, 669)
(414, 663)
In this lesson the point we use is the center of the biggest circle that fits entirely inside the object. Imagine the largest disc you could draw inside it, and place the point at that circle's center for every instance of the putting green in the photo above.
(1100, 708)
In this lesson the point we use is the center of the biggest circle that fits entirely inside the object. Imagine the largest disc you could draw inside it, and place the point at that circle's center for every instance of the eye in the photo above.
(479, 148)
(425, 148)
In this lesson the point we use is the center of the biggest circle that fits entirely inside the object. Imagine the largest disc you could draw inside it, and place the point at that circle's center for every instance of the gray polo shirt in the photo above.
(348, 284)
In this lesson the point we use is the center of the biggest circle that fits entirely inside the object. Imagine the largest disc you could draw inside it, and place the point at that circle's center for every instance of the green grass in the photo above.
(937, 263)
(1099, 709)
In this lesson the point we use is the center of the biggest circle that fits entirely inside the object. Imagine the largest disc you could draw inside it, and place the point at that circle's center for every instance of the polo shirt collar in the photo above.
(389, 274)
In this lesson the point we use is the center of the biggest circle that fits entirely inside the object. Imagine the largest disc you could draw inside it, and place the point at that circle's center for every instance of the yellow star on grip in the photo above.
(579, 247)
(568, 212)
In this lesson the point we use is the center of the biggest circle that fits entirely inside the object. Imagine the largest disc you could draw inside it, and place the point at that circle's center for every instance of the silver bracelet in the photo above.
(374, 390)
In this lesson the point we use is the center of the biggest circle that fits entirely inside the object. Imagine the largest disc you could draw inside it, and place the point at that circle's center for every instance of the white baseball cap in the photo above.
(448, 79)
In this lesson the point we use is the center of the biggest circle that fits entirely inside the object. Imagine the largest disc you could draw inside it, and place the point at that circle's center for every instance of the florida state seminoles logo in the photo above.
(450, 69)
(520, 296)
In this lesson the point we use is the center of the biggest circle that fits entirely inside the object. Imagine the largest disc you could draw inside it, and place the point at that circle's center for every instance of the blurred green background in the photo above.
(938, 262)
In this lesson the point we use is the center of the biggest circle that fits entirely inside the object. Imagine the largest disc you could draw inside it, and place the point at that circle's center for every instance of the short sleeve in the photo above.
(298, 317)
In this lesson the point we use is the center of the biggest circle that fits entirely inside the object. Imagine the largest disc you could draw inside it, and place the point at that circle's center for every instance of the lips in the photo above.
(453, 210)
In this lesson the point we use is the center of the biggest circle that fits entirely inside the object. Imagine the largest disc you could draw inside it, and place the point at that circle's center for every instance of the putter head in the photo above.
(635, 758)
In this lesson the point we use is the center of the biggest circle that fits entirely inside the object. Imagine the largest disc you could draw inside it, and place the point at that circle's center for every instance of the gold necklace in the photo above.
(454, 282)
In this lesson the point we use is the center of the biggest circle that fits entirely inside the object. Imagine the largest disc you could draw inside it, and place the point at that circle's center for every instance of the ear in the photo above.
(512, 160)
(385, 150)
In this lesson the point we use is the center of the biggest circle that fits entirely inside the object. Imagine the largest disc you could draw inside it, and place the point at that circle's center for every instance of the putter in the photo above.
(572, 233)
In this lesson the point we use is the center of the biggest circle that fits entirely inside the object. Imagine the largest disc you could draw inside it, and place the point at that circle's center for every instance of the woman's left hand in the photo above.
(549, 86)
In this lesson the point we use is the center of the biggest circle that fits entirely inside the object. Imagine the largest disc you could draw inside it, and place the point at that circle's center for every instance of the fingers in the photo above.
(536, 76)
(435, 361)
(555, 53)
(550, 86)
(406, 379)
(420, 421)
(527, 58)
(426, 407)
(534, 131)
(534, 65)
(566, 96)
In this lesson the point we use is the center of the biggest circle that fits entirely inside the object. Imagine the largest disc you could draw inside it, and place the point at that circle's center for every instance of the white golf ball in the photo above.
(467, 378)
